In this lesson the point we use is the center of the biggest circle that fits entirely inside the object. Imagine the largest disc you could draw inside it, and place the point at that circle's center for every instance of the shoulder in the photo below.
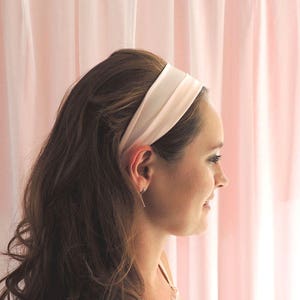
(164, 260)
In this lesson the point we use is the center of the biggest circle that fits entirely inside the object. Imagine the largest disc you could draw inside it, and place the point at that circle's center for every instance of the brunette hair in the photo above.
(76, 236)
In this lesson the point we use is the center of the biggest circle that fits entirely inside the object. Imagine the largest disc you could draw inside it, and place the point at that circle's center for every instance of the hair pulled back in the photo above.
(76, 237)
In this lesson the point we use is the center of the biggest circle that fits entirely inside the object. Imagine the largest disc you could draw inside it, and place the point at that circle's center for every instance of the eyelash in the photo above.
(215, 158)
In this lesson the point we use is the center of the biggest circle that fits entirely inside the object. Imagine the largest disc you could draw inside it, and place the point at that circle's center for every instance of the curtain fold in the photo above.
(245, 52)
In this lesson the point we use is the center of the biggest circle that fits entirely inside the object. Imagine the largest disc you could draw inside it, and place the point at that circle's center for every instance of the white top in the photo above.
(174, 290)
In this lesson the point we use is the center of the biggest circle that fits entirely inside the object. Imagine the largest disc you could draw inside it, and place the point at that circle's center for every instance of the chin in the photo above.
(199, 230)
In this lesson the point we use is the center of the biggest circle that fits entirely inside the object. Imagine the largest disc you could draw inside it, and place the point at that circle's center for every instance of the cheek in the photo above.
(204, 179)
(201, 179)
(190, 189)
(176, 194)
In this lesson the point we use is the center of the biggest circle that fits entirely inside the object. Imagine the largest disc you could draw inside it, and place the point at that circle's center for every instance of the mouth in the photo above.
(206, 204)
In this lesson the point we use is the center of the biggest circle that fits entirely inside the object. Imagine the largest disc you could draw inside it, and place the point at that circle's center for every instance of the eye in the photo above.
(215, 158)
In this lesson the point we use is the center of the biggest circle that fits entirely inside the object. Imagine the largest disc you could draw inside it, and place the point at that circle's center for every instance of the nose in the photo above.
(223, 183)
(221, 179)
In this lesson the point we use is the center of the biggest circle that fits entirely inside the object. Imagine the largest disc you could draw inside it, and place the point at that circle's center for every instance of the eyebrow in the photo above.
(220, 145)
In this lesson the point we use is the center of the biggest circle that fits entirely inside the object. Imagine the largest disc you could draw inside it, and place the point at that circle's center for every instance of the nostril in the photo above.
(223, 181)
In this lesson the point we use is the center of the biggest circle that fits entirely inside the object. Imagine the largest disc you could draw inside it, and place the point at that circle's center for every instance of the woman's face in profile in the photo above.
(177, 193)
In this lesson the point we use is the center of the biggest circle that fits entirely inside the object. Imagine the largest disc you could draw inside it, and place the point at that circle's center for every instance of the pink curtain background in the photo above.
(245, 52)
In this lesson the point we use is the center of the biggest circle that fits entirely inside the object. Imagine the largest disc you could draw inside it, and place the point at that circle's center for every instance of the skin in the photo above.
(174, 197)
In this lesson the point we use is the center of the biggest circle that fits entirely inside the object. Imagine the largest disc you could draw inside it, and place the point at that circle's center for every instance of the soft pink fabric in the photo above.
(245, 52)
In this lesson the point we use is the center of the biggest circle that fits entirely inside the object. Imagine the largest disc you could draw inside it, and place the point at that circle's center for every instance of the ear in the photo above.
(141, 166)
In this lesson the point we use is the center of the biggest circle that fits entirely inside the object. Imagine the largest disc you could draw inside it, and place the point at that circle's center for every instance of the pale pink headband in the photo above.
(166, 101)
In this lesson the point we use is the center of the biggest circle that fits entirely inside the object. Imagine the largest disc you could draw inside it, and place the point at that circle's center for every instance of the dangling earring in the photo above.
(142, 192)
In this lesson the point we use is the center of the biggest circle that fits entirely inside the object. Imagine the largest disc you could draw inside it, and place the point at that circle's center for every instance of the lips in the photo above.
(206, 205)
(210, 198)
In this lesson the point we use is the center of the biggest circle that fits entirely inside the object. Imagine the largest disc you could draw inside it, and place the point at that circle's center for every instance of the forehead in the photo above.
(211, 133)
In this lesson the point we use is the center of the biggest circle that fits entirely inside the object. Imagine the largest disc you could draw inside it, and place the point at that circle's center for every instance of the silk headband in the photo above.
(166, 101)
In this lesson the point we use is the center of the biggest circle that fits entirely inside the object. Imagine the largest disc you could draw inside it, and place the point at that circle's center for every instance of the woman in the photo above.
(131, 159)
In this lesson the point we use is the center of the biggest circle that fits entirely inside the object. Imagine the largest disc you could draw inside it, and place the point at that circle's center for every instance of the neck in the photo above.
(150, 242)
